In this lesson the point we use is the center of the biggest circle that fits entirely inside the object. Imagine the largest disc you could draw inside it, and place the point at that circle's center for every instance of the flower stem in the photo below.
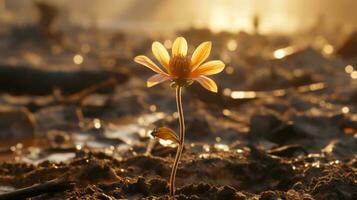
(181, 140)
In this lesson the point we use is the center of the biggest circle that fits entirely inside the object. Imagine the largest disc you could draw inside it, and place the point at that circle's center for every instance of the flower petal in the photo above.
(200, 54)
(165, 133)
(209, 68)
(161, 54)
(156, 79)
(179, 47)
(207, 83)
(143, 60)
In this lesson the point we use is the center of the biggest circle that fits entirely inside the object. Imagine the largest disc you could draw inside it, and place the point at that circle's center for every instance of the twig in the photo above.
(55, 185)
(78, 97)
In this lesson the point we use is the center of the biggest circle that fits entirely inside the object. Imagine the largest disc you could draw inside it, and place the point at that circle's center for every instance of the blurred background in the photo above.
(277, 16)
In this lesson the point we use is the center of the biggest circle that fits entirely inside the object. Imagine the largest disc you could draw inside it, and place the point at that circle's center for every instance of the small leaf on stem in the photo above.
(165, 134)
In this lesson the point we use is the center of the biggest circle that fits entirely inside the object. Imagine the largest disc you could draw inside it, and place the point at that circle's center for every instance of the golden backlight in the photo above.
(277, 16)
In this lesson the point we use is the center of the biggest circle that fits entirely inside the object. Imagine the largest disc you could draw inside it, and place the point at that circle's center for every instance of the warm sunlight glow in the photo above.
(232, 45)
(328, 49)
(354, 75)
(345, 110)
(78, 59)
(349, 69)
(243, 95)
(281, 53)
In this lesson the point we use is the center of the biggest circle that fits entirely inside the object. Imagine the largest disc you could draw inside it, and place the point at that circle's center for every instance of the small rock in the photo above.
(226, 192)
(103, 196)
(261, 124)
(57, 137)
(158, 186)
(16, 123)
(139, 187)
(268, 195)
(349, 48)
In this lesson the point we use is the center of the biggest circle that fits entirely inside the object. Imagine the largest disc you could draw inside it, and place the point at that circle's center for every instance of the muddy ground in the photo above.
(282, 126)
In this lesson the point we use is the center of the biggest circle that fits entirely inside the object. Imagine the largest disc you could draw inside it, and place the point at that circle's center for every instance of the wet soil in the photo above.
(247, 173)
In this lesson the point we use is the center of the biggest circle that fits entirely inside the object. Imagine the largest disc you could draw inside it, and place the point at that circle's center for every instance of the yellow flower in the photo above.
(181, 68)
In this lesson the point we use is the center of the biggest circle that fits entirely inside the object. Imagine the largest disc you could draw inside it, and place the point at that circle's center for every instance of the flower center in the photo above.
(180, 67)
